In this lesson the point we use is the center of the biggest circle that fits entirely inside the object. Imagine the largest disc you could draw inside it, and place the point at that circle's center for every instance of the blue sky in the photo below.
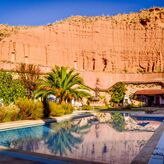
(41, 12)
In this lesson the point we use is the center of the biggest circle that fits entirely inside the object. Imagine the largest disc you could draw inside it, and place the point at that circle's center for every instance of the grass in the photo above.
(105, 108)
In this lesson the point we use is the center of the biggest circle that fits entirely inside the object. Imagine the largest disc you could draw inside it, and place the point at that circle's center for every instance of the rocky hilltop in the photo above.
(101, 45)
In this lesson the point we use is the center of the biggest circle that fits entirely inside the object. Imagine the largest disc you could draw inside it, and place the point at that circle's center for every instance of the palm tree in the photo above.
(63, 83)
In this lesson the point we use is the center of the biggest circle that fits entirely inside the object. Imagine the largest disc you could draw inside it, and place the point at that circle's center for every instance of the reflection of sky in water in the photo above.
(78, 139)
(158, 154)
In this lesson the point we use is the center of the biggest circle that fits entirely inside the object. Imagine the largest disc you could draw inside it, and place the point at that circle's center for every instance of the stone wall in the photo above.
(132, 88)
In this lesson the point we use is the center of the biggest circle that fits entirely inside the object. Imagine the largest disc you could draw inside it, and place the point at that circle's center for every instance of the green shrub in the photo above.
(86, 107)
(2, 114)
(30, 109)
(56, 109)
(103, 107)
(38, 112)
(118, 92)
(68, 108)
(149, 111)
(9, 113)
(60, 109)
(118, 121)
(10, 89)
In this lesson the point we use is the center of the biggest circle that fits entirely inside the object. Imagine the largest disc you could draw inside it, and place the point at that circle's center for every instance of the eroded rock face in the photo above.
(96, 46)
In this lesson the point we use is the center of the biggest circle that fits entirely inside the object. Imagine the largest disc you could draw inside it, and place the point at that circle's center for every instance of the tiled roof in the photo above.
(150, 92)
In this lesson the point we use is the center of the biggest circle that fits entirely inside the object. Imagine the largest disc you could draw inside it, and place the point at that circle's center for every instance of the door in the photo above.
(157, 102)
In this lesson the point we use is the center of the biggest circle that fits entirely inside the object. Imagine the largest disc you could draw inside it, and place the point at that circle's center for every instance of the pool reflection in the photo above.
(78, 139)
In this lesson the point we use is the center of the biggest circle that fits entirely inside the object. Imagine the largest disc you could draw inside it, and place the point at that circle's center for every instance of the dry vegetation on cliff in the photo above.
(6, 31)
(149, 18)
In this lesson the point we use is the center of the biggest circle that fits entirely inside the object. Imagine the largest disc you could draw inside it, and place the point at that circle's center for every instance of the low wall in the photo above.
(105, 79)
(108, 79)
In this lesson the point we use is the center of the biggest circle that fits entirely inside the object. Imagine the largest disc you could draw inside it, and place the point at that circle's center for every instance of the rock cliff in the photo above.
(102, 45)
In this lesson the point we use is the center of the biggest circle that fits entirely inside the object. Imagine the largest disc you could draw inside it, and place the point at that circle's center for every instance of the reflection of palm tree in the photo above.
(66, 137)
(61, 141)
(26, 144)
(26, 138)
(59, 137)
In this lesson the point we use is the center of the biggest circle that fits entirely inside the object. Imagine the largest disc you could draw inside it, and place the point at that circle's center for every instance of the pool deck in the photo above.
(146, 153)
(30, 123)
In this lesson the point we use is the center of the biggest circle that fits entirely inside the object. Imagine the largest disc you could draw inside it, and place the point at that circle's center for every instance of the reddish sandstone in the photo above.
(119, 48)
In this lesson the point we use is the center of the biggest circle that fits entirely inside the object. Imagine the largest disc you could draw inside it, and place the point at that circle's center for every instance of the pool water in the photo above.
(79, 139)
(150, 117)
(158, 154)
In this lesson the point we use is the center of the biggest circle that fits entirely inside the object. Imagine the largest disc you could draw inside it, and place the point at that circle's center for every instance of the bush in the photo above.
(28, 74)
(10, 89)
(60, 109)
(30, 109)
(118, 121)
(86, 107)
(56, 109)
(118, 92)
(38, 111)
(68, 108)
(103, 107)
(149, 111)
(9, 113)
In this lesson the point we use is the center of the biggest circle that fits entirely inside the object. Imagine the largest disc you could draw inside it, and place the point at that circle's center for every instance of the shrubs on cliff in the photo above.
(6, 31)
(10, 89)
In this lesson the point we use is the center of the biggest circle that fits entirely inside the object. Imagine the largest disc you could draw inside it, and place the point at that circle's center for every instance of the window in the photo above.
(26, 59)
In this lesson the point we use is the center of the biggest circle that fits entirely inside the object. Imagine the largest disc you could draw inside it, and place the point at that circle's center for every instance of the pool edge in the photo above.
(145, 154)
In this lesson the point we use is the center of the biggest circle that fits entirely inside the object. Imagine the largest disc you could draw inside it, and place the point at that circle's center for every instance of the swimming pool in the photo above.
(80, 139)
(149, 117)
